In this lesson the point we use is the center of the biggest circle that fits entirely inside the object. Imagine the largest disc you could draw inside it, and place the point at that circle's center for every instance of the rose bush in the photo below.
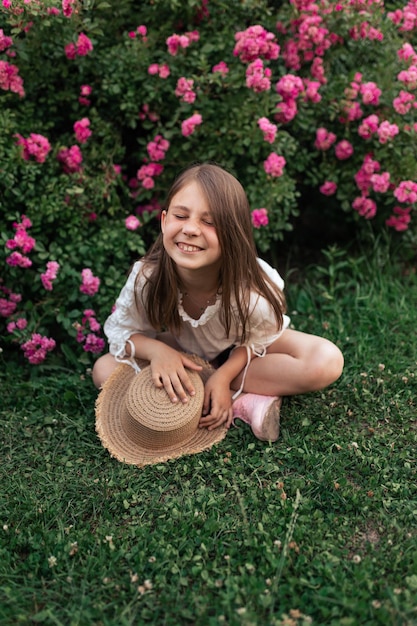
(103, 104)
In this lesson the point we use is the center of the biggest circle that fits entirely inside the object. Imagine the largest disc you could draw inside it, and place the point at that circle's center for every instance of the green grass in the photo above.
(319, 528)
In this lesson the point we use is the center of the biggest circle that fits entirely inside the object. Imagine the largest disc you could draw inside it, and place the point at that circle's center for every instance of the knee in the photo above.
(102, 369)
(336, 363)
(329, 364)
(97, 373)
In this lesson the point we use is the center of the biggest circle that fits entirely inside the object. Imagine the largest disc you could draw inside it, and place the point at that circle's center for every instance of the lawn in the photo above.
(318, 528)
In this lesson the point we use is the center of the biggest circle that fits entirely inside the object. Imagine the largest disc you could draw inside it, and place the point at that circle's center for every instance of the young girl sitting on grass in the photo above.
(202, 290)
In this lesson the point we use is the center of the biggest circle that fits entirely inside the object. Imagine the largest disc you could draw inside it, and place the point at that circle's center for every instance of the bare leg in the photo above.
(295, 363)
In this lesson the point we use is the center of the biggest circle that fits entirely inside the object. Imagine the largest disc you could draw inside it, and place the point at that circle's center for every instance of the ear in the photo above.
(163, 220)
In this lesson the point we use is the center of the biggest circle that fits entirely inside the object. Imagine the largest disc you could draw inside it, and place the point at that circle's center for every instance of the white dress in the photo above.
(205, 336)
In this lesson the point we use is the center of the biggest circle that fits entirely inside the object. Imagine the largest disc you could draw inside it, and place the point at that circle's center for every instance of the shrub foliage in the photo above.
(103, 103)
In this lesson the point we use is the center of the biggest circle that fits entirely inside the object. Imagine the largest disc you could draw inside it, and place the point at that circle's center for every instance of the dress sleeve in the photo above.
(128, 318)
(264, 330)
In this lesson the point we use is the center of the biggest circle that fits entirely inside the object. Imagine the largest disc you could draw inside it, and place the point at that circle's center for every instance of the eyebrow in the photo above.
(182, 207)
(178, 206)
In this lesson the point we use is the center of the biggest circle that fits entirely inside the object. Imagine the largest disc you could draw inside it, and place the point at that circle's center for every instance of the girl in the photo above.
(201, 289)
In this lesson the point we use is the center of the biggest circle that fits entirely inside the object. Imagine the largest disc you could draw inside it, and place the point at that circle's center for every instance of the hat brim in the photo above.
(109, 426)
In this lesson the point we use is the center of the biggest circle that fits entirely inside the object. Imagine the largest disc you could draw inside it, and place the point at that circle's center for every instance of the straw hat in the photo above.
(138, 423)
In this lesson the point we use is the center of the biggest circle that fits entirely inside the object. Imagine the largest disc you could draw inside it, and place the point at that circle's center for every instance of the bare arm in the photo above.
(217, 407)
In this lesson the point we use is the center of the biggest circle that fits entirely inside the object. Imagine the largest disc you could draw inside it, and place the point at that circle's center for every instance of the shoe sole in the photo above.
(270, 424)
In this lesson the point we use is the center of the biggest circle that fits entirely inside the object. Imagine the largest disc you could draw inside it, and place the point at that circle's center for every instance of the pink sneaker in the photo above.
(260, 412)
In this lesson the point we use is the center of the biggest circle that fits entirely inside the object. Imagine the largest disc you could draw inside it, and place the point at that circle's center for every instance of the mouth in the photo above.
(185, 247)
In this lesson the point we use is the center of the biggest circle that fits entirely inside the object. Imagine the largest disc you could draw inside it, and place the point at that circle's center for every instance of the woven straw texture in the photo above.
(138, 423)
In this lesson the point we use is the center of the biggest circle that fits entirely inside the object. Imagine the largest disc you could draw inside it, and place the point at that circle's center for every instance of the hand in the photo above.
(168, 371)
(217, 408)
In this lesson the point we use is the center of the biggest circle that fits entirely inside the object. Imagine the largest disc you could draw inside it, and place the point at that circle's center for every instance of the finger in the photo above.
(205, 421)
(229, 420)
(219, 421)
(187, 383)
(206, 403)
(213, 421)
(191, 364)
(166, 381)
(210, 417)
(157, 380)
(177, 385)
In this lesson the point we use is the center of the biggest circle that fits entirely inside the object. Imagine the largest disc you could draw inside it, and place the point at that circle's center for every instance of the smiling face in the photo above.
(189, 235)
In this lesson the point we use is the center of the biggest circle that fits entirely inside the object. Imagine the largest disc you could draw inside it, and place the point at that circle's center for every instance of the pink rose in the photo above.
(132, 222)
(82, 130)
(188, 125)
(220, 68)
(36, 348)
(164, 71)
(365, 207)
(84, 45)
(370, 93)
(274, 165)
(387, 131)
(406, 191)
(90, 283)
(71, 159)
(269, 130)
(289, 87)
(324, 139)
(328, 188)
(343, 150)
(49, 276)
(380, 182)
(400, 220)
(259, 218)
(36, 146)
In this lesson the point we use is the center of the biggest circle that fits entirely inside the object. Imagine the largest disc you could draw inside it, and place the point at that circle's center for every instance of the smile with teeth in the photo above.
(188, 248)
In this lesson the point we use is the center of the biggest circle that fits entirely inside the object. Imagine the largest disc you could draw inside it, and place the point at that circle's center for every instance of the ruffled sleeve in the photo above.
(264, 331)
(128, 318)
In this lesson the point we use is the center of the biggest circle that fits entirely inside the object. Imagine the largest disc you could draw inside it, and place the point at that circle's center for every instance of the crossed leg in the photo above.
(295, 363)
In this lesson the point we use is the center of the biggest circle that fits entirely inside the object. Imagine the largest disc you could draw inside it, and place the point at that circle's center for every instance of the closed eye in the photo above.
(180, 216)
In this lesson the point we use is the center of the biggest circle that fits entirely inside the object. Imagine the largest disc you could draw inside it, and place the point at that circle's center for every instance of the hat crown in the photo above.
(150, 418)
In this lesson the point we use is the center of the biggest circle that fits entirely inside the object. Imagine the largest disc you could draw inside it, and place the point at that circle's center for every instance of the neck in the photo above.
(196, 282)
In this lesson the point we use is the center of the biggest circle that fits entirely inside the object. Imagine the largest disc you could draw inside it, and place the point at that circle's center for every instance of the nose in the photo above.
(191, 228)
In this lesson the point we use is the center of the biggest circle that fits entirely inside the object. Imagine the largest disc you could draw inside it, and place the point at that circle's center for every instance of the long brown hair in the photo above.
(240, 272)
